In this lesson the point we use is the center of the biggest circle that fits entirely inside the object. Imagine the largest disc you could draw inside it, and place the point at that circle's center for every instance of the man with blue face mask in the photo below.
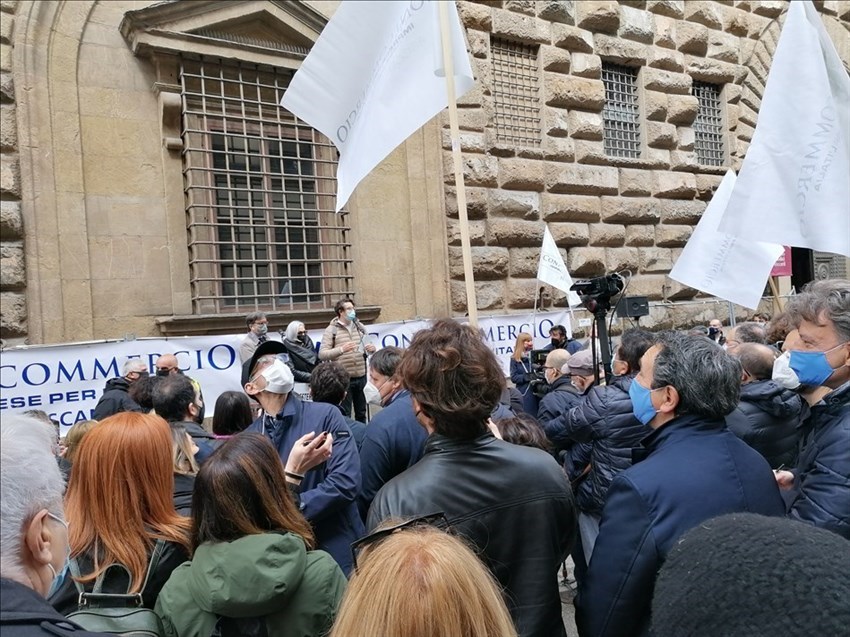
(690, 468)
(820, 483)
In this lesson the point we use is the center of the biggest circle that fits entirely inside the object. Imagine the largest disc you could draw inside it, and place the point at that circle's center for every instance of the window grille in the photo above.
(260, 192)
(516, 92)
(620, 115)
(708, 125)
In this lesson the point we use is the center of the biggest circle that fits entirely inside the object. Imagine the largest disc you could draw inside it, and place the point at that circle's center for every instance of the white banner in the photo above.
(794, 184)
(552, 269)
(66, 381)
(721, 264)
(373, 78)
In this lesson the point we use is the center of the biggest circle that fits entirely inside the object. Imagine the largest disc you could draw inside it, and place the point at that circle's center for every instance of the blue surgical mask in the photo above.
(641, 402)
(812, 368)
(59, 577)
(351, 315)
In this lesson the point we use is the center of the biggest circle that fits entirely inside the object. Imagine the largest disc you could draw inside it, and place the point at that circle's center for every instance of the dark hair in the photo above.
(707, 379)
(558, 328)
(385, 361)
(253, 317)
(241, 490)
(454, 376)
(750, 333)
(777, 330)
(339, 305)
(172, 396)
(523, 430)
(142, 391)
(329, 382)
(756, 359)
(232, 413)
(633, 345)
(764, 316)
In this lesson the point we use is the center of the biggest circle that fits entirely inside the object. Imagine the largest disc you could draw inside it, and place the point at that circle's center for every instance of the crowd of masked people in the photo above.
(703, 489)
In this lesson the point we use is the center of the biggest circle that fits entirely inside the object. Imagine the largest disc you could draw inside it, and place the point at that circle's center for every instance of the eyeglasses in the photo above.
(437, 520)
(166, 369)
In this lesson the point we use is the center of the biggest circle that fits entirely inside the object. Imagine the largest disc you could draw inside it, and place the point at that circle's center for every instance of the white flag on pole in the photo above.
(794, 184)
(375, 76)
(721, 264)
(553, 271)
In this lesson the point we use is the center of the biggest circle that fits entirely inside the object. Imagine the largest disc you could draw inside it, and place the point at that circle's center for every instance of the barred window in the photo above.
(620, 115)
(260, 191)
(708, 125)
(516, 92)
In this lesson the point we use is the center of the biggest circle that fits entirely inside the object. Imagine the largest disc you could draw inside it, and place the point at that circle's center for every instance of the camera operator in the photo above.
(559, 340)
(561, 395)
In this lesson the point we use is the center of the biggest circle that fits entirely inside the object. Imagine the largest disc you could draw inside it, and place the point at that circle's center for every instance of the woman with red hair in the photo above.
(119, 509)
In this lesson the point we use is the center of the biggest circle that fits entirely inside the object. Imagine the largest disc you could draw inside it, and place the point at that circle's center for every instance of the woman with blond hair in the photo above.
(521, 371)
(417, 581)
(74, 437)
(120, 510)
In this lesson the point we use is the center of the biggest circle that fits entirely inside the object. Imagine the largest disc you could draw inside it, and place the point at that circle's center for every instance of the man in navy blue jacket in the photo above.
(328, 491)
(690, 469)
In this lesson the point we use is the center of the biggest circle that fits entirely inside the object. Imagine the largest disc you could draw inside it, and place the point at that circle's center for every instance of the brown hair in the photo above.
(241, 490)
(119, 498)
(75, 436)
(454, 377)
(523, 430)
(519, 348)
(422, 582)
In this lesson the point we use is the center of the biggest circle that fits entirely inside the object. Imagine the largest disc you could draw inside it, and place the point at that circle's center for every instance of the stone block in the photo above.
(635, 182)
(478, 170)
(11, 221)
(472, 119)
(607, 234)
(617, 259)
(7, 88)
(691, 38)
(489, 295)
(723, 46)
(735, 21)
(706, 185)
(672, 185)
(670, 236)
(470, 141)
(573, 92)
(714, 70)
(629, 210)
(667, 59)
(513, 203)
(656, 260)
(619, 51)
(684, 160)
(686, 137)
(560, 149)
(473, 98)
(524, 262)
(521, 174)
(6, 23)
(640, 235)
(479, 43)
(584, 125)
(8, 128)
(586, 65)
(475, 16)
(570, 207)
(555, 59)
(669, 8)
(557, 11)
(649, 285)
(583, 180)
(681, 211)
(13, 318)
(666, 81)
(665, 32)
(520, 6)
(13, 273)
(769, 8)
(477, 232)
(586, 261)
(5, 57)
(660, 135)
(514, 233)
(636, 24)
(520, 27)
(588, 152)
(655, 106)
(569, 234)
(488, 263)
(10, 176)
(521, 293)
(476, 202)
(555, 121)
(572, 38)
(682, 109)
(598, 15)
(657, 158)
(703, 12)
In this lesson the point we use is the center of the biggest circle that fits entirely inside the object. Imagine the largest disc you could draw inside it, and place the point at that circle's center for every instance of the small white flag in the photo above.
(721, 264)
(794, 184)
(552, 269)
(374, 77)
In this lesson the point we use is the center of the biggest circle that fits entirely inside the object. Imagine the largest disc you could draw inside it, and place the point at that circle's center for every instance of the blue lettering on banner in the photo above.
(26, 375)
(111, 370)
(14, 368)
(231, 356)
(61, 370)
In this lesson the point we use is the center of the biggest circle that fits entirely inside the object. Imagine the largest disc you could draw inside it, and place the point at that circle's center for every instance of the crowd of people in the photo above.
(695, 489)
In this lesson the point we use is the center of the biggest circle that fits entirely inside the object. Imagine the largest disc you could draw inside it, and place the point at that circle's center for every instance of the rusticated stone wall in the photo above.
(606, 214)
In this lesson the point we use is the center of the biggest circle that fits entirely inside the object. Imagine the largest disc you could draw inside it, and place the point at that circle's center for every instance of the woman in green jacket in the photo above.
(253, 570)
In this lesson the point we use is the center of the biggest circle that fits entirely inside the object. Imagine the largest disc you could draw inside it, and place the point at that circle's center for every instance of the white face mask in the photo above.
(783, 375)
(372, 394)
(279, 378)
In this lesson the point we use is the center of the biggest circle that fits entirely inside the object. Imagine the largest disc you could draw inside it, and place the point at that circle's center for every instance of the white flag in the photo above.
(375, 76)
(552, 269)
(794, 184)
(721, 264)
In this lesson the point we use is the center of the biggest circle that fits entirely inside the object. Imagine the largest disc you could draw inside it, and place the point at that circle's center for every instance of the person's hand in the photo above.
(370, 349)
(309, 451)
(784, 479)
(349, 346)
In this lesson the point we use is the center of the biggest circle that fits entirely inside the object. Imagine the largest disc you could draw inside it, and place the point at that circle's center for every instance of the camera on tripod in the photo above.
(599, 291)
(537, 376)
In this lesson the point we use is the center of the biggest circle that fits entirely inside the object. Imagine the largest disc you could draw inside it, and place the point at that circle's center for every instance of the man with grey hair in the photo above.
(820, 484)
(745, 333)
(690, 468)
(34, 546)
(116, 398)
(258, 327)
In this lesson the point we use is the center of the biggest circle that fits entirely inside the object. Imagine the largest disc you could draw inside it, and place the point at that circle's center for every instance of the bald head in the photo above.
(166, 365)
(557, 358)
(757, 360)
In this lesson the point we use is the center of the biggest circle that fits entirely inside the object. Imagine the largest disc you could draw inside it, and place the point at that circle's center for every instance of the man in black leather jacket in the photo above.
(512, 503)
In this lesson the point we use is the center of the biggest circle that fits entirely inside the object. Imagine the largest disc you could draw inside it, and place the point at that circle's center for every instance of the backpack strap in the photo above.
(97, 593)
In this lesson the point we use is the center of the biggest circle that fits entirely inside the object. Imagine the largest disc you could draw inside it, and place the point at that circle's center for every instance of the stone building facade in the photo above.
(149, 186)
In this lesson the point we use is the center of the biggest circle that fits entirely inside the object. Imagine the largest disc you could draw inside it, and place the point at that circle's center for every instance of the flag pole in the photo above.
(448, 67)
(534, 311)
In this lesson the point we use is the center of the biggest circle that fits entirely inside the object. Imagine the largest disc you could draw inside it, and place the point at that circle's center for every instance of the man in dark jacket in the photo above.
(769, 417)
(492, 492)
(561, 395)
(115, 398)
(559, 340)
(691, 468)
(176, 399)
(821, 480)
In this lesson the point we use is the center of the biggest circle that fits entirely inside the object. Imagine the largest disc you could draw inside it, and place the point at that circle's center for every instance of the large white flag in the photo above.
(375, 76)
(552, 269)
(794, 184)
(721, 264)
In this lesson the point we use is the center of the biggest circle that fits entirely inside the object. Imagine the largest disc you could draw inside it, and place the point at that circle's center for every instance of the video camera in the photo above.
(599, 289)
(537, 377)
